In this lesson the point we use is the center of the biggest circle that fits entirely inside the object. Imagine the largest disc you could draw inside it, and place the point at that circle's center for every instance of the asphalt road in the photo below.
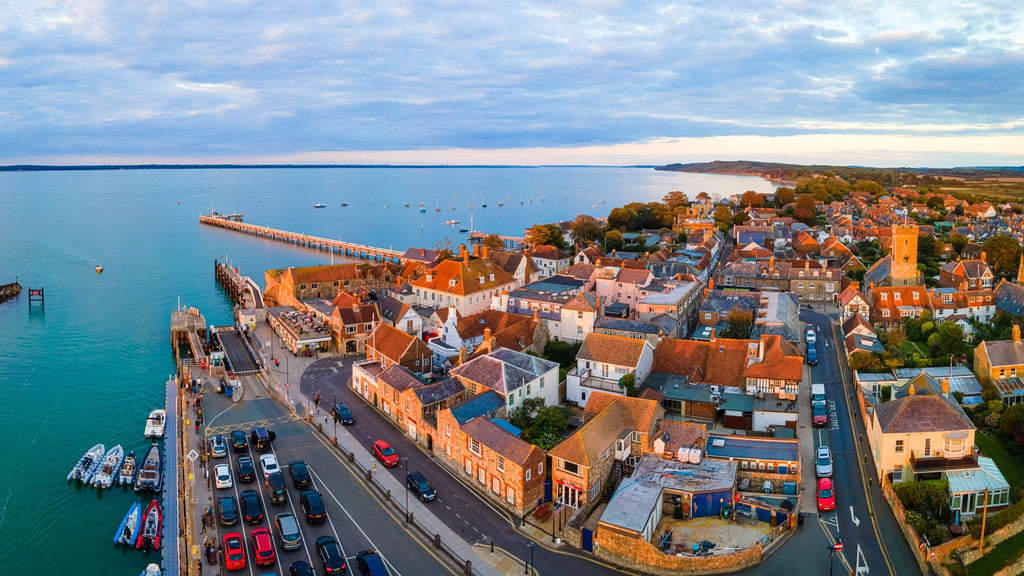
(469, 514)
(355, 518)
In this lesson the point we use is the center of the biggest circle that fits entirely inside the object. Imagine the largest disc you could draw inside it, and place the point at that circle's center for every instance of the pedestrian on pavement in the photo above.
(197, 426)
(203, 518)
(199, 566)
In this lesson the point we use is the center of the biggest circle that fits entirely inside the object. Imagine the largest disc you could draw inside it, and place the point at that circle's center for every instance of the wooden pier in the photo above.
(339, 247)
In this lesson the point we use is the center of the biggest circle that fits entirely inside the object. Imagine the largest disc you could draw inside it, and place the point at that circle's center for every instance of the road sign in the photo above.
(838, 546)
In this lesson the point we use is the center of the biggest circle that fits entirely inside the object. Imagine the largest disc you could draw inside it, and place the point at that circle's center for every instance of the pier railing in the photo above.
(340, 247)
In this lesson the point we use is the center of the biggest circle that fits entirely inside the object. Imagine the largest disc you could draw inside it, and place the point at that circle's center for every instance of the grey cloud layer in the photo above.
(278, 77)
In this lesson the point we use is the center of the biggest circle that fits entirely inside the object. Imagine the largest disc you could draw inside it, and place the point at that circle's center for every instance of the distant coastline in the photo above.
(788, 174)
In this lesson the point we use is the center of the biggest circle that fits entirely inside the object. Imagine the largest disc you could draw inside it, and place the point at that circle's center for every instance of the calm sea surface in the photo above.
(90, 366)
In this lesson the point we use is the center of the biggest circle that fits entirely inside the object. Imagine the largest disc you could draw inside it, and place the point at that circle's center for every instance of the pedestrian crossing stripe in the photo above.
(266, 423)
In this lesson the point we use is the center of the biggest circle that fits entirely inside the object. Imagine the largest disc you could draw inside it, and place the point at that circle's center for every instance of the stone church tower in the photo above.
(904, 270)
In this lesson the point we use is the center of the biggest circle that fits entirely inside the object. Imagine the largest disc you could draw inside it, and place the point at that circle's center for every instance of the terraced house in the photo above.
(466, 285)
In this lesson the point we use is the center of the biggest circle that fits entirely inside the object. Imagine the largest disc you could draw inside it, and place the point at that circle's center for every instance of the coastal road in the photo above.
(355, 517)
(471, 515)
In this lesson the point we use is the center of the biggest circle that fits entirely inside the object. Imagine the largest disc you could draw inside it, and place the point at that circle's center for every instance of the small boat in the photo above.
(150, 476)
(423, 210)
(451, 222)
(99, 268)
(463, 230)
(483, 205)
(319, 205)
(151, 570)
(155, 423)
(406, 205)
(343, 204)
(152, 521)
(126, 475)
(87, 463)
(500, 204)
(128, 531)
(111, 465)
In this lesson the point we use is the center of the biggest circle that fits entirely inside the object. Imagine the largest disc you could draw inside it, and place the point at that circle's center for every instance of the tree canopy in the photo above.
(1003, 254)
(549, 234)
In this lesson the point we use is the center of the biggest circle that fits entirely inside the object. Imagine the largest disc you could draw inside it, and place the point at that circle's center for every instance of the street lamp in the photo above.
(336, 419)
(832, 549)
(526, 569)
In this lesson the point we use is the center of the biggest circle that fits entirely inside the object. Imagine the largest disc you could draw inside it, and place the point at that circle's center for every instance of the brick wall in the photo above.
(757, 479)
(633, 553)
(908, 532)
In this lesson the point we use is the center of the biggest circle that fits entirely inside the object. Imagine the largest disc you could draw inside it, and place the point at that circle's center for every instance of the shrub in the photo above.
(993, 523)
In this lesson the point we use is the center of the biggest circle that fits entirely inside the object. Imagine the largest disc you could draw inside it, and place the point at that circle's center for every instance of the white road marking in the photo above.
(853, 517)
(862, 562)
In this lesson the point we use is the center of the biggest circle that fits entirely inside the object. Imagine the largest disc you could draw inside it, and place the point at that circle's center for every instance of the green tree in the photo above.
(547, 427)
(1010, 419)
(948, 340)
(620, 219)
(958, 241)
(871, 187)
(628, 383)
(912, 328)
(723, 217)
(547, 234)
(784, 195)
(865, 362)
(675, 199)
(494, 242)
(739, 323)
(751, 198)
(739, 218)
(586, 230)
(936, 203)
(1003, 254)
(613, 240)
(522, 416)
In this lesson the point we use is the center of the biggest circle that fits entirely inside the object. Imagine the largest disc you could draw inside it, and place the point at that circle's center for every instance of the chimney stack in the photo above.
(1016, 333)
(712, 335)
(711, 283)
(476, 250)
(945, 387)
(463, 253)
(526, 268)
(910, 390)
(462, 356)
(485, 252)
(487, 340)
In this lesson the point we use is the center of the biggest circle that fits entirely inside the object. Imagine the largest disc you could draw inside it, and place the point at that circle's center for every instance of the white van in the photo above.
(818, 394)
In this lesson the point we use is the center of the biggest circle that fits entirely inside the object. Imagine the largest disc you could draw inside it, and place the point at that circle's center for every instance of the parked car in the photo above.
(420, 486)
(227, 510)
(245, 468)
(275, 486)
(262, 547)
(234, 551)
(313, 506)
(385, 453)
(369, 563)
(288, 531)
(343, 414)
(811, 336)
(331, 556)
(819, 418)
(262, 438)
(218, 446)
(299, 472)
(238, 442)
(251, 507)
(823, 463)
(222, 474)
(301, 568)
(269, 464)
(826, 495)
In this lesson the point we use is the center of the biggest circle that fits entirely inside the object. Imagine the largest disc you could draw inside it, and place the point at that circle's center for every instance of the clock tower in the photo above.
(904, 270)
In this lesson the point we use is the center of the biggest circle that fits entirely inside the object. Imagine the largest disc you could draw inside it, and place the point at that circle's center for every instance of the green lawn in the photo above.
(1008, 465)
(997, 558)
(909, 348)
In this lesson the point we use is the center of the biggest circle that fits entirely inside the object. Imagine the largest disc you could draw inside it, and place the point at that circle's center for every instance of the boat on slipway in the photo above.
(151, 570)
(128, 532)
(150, 475)
(155, 423)
(87, 464)
(126, 475)
(152, 522)
(111, 465)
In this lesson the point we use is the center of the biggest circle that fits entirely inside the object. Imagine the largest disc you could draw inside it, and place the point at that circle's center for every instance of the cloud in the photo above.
(264, 79)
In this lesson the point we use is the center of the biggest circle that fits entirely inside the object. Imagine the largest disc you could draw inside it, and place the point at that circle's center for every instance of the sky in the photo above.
(907, 83)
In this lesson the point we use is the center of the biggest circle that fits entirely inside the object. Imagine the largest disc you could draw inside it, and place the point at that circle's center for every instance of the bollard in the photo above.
(388, 495)
(369, 475)
(409, 519)
(492, 545)
(469, 568)
(351, 456)
(437, 541)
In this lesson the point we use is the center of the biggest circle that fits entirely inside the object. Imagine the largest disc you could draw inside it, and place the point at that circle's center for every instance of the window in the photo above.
(350, 329)
(953, 446)
(927, 446)
(528, 389)
(541, 382)
(885, 296)
(570, 467)
(636, 436)
(448, 429)
(760, 465)
(474, 446)
(771, 466)
(501, 464)
(528, 473)
(744, 465)
(899, 446)
(510, 495)
(540, 470)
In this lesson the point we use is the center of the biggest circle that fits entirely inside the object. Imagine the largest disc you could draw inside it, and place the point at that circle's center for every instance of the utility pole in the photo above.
(984, 513)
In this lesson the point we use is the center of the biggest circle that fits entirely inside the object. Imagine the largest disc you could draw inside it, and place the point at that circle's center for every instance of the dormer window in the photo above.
(481, 279)
(492, 277)
(452, 282)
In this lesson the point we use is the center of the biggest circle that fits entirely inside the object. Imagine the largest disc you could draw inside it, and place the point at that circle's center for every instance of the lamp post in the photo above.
(335, 416)
(832, 549)
(526, 569)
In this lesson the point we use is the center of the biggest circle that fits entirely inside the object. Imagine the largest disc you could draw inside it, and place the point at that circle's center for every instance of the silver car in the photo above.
(218, 446)
(288, 531)
(823, 464)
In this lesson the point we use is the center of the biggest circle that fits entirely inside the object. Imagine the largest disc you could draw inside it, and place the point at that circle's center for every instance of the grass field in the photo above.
(996, 558)
(1011, 467)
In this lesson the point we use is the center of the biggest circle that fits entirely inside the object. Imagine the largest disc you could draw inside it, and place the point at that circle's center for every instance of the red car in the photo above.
(826, 495)
(262, 547)
(385, 453)
(234, 551)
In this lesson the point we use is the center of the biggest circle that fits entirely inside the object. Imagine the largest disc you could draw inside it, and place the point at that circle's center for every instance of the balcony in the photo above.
(586, 379)
(932, 464)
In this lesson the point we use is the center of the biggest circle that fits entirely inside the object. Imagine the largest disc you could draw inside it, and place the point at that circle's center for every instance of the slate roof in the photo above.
(1009, 298)
(400, 378)
(504, 370)
(927, 413)
(499, 440)
(748, 447)
(439, 391)
(627, 325)
(1004, 352)
(879, 272)
(486, 404)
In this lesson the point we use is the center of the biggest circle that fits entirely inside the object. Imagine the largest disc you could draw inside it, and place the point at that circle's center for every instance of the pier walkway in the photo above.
(173, 496)
(349, 249)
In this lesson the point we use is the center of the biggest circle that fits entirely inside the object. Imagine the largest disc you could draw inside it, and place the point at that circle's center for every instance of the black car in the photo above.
(313, 506)
(420, 486)
(300, 474)
(251, 507)
(301, 568)
(343, 414)
(238, 441)
(331, 556)
(228, 509)
(245, 468)
(370, 563)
